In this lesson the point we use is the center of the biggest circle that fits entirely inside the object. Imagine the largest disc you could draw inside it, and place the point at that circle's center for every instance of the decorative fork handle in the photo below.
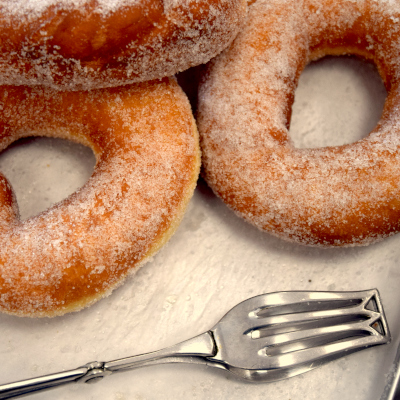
(190, 351)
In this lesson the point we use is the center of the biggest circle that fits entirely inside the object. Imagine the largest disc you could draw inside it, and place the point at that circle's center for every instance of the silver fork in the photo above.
(266, 338)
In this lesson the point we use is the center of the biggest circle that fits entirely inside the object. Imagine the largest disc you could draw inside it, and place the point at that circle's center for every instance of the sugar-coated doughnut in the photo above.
(335, 196)
(146, 145)
(86, 44)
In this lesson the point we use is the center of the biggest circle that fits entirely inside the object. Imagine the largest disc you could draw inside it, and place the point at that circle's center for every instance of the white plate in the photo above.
(214, 261)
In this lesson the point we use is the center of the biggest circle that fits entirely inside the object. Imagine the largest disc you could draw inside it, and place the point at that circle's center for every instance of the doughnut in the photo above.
(87, 44)
(345, 195)
(146, 145)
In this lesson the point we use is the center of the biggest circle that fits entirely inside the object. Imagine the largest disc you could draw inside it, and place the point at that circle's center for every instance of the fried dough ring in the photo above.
(145, 141)
(86, 44)
(335, 196)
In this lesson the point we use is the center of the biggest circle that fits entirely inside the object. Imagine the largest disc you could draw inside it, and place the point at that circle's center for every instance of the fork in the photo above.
(265, 338)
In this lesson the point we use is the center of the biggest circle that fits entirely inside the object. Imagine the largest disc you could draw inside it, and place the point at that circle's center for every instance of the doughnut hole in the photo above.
(339, 100)
(43, 171)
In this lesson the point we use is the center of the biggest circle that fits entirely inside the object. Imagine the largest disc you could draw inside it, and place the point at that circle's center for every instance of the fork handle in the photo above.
(191, 351)
(30, 386)
(199, 346)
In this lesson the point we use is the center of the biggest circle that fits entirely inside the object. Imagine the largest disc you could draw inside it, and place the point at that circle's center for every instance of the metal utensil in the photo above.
(266, 338)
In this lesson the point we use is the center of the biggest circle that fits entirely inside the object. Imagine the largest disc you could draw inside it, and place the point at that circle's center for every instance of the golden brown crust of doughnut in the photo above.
(336, 196)
(76, 252)
(85, 44)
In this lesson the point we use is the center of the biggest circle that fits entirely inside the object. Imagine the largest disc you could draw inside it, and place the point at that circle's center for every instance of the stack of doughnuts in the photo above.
(335, 196)
(97, 72)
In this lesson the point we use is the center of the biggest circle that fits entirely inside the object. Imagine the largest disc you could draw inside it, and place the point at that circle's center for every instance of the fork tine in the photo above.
(304, 319)
(362, 328)
(287, 306)
(293, 344)
(283, 329)
(288, 302)
(325, 353)
(318, 317)
(287, 366)
(293, 302)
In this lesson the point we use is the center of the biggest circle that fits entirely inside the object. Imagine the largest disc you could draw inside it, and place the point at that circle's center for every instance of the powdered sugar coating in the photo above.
(36, 7)
(86, 44)
(80, 249)
(336, 196)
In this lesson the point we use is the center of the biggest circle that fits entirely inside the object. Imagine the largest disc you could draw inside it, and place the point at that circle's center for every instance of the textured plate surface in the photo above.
(214, 261)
